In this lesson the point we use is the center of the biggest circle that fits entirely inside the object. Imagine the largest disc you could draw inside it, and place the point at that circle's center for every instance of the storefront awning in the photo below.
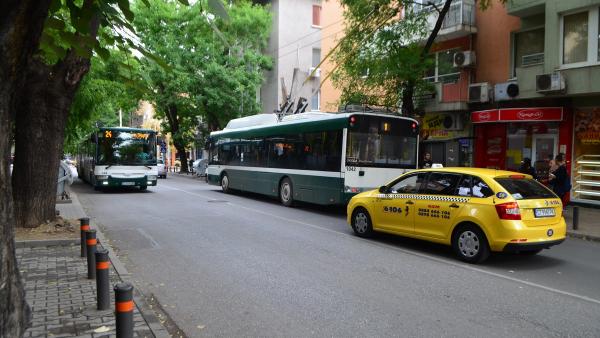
(518, 115)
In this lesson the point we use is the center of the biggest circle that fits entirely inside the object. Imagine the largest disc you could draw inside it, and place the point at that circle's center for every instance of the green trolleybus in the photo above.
(320, 158)
(115, 157)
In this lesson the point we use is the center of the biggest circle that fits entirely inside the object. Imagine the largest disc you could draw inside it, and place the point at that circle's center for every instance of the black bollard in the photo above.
(90, 241)
(84, 225)
(124, 309)
(575, 218)
(102, 285)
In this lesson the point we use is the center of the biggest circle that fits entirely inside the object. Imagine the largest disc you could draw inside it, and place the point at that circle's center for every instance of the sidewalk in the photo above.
(589, 223)
(63, 300)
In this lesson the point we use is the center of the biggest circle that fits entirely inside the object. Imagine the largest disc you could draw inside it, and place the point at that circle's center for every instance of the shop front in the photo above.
(586, 156)
(504, 137)
(447, 137)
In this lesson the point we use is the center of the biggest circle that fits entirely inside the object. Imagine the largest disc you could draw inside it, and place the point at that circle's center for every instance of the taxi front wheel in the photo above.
(470, 244)
(361, 223)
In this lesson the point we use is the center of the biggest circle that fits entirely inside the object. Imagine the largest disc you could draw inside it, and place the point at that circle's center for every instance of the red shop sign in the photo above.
(518, 114)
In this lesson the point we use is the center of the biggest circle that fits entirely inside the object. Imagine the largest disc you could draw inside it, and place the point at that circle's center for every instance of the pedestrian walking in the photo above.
(559, 179)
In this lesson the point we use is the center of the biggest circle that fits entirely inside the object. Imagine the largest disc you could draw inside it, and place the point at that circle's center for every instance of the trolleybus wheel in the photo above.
(286, 192)
(225, 183)
(143, 187)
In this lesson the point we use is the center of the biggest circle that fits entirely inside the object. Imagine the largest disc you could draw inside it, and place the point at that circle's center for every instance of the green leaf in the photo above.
(154, 58)
(124, 6)
(55, 23)
(102, 52)
(147, 3)
(184, 2)
(218, 9)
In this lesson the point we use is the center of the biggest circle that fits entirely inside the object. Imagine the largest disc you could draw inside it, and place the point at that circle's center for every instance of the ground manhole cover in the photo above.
(217, 201)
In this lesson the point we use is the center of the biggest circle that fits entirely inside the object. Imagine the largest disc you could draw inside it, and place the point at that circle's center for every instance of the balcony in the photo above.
(459, 21)
(525, 8)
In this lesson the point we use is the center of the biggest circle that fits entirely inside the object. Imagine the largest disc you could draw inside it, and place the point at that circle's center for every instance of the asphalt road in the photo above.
(243, 265)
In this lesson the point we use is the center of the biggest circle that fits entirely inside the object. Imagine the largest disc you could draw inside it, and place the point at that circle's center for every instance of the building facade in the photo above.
(295, 46)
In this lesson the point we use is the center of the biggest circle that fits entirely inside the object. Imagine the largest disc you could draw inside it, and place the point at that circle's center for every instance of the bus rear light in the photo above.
(101, 177)
(508, 211)
(352, 121)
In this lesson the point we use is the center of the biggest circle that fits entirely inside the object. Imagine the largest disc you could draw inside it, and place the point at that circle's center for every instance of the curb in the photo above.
(579, 235)
(35, 243)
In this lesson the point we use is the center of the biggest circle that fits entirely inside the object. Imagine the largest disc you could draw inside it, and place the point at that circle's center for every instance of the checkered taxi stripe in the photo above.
(426, 197)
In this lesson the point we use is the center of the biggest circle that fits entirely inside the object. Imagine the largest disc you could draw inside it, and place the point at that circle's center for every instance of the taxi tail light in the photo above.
(508, 211)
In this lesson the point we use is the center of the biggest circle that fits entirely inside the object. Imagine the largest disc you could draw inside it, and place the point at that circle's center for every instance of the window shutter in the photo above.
(316, 21)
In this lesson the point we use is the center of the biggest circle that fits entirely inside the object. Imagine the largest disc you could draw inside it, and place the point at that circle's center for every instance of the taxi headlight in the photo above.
(151, 177)
(101, 177)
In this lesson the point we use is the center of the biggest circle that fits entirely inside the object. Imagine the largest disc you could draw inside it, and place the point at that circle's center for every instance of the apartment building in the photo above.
(295, 46)
(548, 100)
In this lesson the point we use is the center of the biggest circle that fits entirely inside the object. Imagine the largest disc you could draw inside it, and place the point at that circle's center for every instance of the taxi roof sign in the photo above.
(437, 166)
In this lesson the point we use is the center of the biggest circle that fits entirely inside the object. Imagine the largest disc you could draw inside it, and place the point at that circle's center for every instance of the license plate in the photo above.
(128, 183)
(544, 212)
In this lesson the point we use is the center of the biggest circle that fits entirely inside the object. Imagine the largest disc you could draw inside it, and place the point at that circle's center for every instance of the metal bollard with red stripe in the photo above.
(124, 309)
(90, 241)
(84, 225)
(102, 285)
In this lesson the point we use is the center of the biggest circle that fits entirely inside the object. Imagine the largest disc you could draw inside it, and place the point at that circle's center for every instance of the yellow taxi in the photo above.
(476, 211)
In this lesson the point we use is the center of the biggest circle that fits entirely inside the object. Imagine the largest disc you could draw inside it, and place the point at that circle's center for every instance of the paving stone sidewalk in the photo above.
(62, 299)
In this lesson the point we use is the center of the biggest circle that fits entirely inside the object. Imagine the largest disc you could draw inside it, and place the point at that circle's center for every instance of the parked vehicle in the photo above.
(162, 170)
(476, 211)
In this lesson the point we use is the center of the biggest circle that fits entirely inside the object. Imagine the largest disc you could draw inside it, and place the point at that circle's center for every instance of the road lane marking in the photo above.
(414, 253)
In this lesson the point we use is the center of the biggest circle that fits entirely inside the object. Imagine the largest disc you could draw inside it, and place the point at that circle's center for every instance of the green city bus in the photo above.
(321, 158)
(119, 157)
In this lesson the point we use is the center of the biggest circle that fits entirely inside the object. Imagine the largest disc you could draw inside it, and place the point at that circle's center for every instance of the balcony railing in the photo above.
(461, 13)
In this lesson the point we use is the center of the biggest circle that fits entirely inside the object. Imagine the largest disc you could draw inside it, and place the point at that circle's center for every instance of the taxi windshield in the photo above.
(525, 188)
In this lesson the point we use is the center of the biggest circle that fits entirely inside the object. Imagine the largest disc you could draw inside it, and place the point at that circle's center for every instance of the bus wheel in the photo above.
(361, 223)
(225, 183)
(286, 192)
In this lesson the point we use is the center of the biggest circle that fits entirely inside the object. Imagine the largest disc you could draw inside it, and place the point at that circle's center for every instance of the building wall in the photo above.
(333, 31)
(493, 43)
(291, 46)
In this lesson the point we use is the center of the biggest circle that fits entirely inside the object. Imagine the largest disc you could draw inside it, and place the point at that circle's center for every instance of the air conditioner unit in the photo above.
(317, 72)
(452, 122)
(479, 92)
(506, 91)
(548, 83)
(464, 58)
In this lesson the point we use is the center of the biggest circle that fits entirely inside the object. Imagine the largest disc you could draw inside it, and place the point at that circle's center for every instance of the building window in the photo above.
(443, 69)
(575, 38)
(529, 47)
(316, 56)
(580, 39)
(315, 102)
(316, 15)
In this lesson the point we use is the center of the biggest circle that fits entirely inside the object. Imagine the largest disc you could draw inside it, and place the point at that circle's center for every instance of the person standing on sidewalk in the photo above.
(559, 178)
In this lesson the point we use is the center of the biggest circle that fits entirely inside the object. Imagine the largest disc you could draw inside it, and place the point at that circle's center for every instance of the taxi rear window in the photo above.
(525, 188)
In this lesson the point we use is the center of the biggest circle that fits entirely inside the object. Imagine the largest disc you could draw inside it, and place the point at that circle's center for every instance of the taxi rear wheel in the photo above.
(470, 244)
(361, 223)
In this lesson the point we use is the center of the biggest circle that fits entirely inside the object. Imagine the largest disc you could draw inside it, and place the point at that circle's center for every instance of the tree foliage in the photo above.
(111, 85)
(385, 52)
(215, 65)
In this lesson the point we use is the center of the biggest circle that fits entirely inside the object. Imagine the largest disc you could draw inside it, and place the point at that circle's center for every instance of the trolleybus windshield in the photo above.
(126, 148)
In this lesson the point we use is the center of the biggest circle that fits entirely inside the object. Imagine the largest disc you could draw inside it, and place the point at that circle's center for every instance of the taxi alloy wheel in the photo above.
(361, 223)
(470, 244)
(225, 183)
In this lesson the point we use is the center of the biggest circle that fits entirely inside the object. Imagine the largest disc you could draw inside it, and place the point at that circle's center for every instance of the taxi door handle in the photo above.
(410, 202)
(454, 205)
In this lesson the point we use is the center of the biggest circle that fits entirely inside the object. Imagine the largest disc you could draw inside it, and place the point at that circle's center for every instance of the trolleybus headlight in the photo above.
(101, 177)
(352, 189)
(151, 177)
(105, 183)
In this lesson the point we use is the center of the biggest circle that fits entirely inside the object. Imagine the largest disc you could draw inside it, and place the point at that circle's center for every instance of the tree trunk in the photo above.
(21, 24)
(408, 107)
(173, 119)
(39, 136)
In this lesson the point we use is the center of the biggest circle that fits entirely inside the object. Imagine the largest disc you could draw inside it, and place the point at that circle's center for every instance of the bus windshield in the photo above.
(377, 141)
(126, 148)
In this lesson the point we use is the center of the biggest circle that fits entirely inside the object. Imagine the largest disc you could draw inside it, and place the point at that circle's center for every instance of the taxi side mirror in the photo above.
(383, 189)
